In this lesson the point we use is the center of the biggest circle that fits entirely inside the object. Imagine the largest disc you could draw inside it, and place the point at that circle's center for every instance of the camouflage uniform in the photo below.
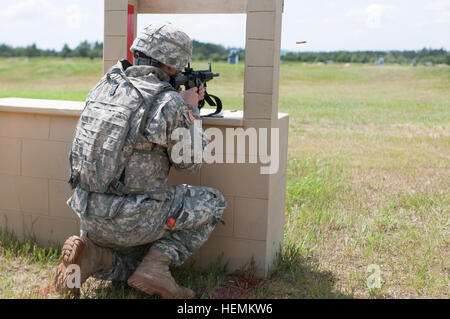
(132, 223)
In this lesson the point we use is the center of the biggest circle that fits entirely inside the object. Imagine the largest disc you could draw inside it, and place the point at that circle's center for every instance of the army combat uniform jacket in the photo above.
(131, 222)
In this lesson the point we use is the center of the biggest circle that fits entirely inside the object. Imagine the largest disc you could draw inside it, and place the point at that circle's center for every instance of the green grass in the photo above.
(367, 182)
(48, 79)
(24, 265)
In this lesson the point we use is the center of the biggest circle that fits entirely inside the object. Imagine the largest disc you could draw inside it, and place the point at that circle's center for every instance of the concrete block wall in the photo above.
(115, 31)
(262, 59)
(33, 176)
(254, 218)
(34, 170)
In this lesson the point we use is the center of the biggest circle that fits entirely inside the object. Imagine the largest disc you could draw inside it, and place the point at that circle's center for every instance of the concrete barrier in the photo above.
(35, 138)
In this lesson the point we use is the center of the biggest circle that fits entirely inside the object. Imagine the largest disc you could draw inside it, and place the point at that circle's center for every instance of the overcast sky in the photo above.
(326, 25)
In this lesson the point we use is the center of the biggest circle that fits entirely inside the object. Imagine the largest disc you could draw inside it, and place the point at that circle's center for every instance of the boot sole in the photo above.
(143, 284)
(72, 254)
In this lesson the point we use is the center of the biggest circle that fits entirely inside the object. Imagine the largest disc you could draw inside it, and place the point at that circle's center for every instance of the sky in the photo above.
(325, 24)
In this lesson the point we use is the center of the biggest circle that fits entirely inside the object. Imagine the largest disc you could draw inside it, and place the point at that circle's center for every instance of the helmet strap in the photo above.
(145, 61)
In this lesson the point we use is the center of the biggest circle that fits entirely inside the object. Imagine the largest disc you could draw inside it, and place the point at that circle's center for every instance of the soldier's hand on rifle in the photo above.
(201, 92)
(193, 95)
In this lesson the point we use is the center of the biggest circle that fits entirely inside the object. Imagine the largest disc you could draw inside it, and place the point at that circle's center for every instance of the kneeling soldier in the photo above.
(133, 226)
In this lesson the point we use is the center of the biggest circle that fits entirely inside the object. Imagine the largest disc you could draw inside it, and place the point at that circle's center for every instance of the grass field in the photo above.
(368, 182)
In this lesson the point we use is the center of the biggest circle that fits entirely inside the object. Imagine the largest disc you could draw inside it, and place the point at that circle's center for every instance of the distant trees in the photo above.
(217, 52)
(436, 56)
(213, 52)
(84, 50)
(66, 51)
(202, 51)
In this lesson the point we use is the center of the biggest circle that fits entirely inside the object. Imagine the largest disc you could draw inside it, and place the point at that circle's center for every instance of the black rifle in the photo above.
(191, 78)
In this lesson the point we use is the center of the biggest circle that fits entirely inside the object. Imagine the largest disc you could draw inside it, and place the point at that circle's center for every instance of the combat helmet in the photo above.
(164, 43)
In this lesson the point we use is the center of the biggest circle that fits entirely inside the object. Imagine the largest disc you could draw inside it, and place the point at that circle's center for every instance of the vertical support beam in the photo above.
(130, 31)
(116, 33)
(262, 59)
(132, 28)
(261, 85)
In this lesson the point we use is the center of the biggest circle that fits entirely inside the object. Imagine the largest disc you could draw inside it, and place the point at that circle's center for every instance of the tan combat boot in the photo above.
(154, 278)
(88, 256)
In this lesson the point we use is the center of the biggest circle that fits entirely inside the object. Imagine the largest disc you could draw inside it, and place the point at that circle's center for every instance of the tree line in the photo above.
(83, 50)
(216, 52)
(435, 56)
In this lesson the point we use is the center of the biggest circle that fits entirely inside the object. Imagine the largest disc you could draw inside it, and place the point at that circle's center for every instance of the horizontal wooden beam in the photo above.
(192, 6)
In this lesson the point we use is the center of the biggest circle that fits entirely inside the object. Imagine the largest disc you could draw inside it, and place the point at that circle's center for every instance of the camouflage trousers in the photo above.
(141, 223)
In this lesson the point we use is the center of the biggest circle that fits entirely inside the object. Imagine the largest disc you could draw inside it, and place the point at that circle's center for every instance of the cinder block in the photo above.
(226, 229)
(277, 198)
(260, 25)
(283, 126)
(50, 231)
(242, 144)
(10, 155)
(261, 5)
(239, 142)
(275, 85)
(177, 178)
(107, 64)
(259, 80)
(25, 194)
(13, 221)
(62, 128)
(259, 53)
(242, 180)
(9, 193)
(258, 124)
(60, 192)
(45, 159)
(259, 106)
(116, 23)
(250, 218)
(195, 7)
(115, 48)
(33, 195)
(116, 5)
(271, 150)
(24, 125)
(276, 218)
(236, 252)
(277, 211)
(277, 30)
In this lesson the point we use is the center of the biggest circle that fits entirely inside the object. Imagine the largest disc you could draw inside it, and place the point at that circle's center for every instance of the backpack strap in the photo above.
(117, 185)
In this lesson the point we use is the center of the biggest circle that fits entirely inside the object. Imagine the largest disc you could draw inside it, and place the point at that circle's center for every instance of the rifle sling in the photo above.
(213, 100)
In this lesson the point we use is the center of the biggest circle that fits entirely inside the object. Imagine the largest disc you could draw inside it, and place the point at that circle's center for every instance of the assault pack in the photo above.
(113, 119)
